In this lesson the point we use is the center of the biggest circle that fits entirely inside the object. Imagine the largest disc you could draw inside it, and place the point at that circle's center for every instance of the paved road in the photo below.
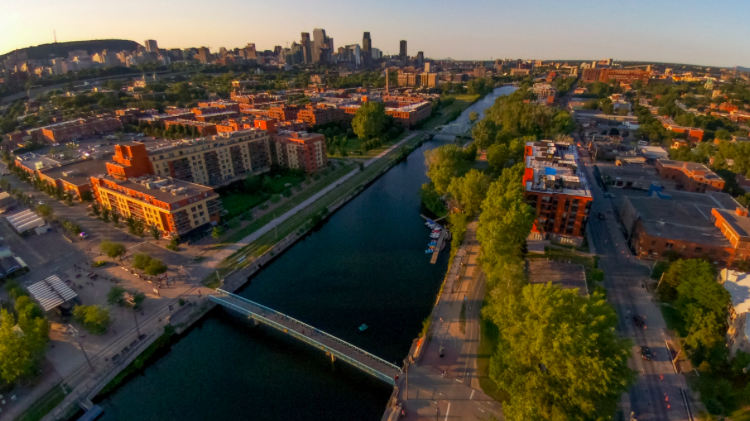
(449, 383)
(623, 277)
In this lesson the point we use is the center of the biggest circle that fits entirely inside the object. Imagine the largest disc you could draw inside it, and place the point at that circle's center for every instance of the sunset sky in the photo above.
(686, 31)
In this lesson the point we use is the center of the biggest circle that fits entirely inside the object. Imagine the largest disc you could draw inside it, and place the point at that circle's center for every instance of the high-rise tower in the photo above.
(319, 42)
(306, 48)
(402, 50)
(366, 49)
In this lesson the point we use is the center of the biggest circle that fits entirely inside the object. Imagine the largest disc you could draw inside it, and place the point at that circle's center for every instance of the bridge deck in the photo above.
(340, 349)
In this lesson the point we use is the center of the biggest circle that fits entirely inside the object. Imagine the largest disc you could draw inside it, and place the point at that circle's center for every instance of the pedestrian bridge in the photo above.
(332, 345)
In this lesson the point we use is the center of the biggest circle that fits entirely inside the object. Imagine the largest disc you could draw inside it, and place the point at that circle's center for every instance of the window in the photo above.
(700, 250)
(669, 246)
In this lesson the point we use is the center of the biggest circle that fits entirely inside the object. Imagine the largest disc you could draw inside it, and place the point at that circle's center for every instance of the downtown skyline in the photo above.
(544, 30)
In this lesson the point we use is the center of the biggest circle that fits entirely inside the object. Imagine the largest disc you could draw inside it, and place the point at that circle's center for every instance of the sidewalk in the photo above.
(449, 384)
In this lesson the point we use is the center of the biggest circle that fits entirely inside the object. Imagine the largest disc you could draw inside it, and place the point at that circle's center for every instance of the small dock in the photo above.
(443, 236)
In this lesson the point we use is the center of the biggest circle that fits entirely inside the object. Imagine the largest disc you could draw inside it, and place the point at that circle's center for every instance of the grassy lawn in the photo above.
(302, 219)
(43, 406)
(488, 338)
(742, 414)
(354, 146)
(279, 183)
(294, 201)
(237, 203)
(461, 103)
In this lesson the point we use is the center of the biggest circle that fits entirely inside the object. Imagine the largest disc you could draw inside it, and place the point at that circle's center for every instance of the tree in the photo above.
(505, 221)
(155, 232)
(115, 216)
(469, 191)
(141, 260)
(115, 296)
(174, 243)
(112, 249)
(444, 163)
(432, 200)
(473, 116)
(44, 211)
(95, 319)
(484, 133)
(701, 301)
(559, 356)
(217, 232)
(497, 156)
(369, 120)
(155, 267)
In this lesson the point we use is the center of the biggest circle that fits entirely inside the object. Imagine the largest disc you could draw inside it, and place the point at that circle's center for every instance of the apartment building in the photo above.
(78, 128)
(216, 159)
(689, 176)
(283, 112)
(407, 113)
(315, 115)
(175, 207)
(204, 128)
(299, 150)
(558, 192)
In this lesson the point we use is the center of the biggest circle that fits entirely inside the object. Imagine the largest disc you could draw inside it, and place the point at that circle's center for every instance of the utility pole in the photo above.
(130, 298)
(78, 339)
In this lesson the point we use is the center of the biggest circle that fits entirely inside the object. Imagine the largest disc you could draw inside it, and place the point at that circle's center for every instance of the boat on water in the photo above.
(363, 327)
(429, 251)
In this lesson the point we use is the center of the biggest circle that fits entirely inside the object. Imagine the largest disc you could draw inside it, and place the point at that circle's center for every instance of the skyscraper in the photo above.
(366, 49)
(250, 52)
(306, 48)
(151, 46)
(204, 55)
(420, 58)
(402, 50)
(319, 41)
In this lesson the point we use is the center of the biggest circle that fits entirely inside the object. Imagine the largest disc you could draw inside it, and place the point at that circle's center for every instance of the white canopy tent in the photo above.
(51, 292)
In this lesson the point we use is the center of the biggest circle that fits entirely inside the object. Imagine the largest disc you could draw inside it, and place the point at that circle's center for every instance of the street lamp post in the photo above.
(78, 339)
(130, 298)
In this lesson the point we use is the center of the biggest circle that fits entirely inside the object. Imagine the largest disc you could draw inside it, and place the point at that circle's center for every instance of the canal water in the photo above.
(365, 265)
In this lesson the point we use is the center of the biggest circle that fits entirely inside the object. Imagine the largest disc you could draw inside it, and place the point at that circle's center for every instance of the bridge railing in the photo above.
(312, 329)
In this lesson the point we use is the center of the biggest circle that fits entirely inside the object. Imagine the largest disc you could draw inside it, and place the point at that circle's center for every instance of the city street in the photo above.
(651, 398)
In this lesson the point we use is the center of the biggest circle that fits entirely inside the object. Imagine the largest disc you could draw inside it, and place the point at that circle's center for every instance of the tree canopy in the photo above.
(94, 319)
(444, 163)
(559, 356)
(470, 190)
(112, 249)
(369, 120)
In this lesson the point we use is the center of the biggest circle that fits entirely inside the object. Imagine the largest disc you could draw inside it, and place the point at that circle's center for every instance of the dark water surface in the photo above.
(366, 264)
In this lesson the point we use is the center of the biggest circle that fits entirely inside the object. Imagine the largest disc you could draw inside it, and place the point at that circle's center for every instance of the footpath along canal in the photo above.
(365, 265)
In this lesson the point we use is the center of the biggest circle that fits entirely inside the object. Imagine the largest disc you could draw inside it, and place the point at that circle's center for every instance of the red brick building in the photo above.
(689, 176)
(558, 192)
(697, 228)
(299, 150)
(129, 161)
(283, 112)
(204, 128)
(78, 128)
(315, 115)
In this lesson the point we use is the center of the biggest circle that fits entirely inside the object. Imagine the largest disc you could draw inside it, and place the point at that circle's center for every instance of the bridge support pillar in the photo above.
(333, 357)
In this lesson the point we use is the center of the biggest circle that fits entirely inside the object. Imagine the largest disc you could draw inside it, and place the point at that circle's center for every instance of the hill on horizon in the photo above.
(60, 49)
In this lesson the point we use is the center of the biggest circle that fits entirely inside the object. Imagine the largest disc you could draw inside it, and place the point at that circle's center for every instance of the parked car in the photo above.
(646, 353)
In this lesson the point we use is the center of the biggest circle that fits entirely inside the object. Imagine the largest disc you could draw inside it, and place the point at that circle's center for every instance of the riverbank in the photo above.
(237, 279)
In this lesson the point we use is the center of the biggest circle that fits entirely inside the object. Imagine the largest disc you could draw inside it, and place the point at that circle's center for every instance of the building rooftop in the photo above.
(555, 169)
(167, 190)
(219, 138)
(78, 173)
(692, 167)
(738, 285)
(739, 223)
(683, 217)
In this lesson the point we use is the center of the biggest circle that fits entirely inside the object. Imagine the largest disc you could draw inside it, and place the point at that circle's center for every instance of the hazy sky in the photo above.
(686, 31)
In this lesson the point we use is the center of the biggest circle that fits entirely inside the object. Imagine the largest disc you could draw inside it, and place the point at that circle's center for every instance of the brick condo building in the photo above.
(299, 150)
(689, 176)
(174, 206)
(79, 128)
(558, 192)
(315, 115)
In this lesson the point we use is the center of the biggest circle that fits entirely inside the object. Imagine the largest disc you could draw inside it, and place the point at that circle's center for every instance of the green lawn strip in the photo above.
(461, 103)
(489, 335)
(354, 145)
(43, 405)
(278, 185)
(294, 201)
(237, 203)
(295, 222)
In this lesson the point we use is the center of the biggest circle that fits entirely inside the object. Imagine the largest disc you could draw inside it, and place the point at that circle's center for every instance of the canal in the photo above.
(365, 265)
